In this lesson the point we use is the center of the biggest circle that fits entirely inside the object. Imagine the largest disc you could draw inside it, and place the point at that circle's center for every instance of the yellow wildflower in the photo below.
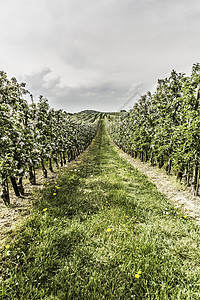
(54, 194)
(137, 275)
(7, 246)
(45, 209)
(139, 272)
(108, 229)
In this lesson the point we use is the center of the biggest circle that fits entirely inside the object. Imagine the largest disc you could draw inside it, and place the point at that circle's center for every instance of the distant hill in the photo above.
(89, 112)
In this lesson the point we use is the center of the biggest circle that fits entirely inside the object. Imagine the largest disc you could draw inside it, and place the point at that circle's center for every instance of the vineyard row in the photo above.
(164, 127)
(35, 135)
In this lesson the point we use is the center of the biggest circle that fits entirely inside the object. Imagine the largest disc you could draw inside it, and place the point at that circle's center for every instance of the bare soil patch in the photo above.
(20, 207)
(180, 195)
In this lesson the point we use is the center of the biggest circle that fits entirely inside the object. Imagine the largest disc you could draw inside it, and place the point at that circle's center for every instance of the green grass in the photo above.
(103, 223)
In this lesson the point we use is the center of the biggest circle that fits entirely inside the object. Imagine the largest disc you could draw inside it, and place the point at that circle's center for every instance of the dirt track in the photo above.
(180, 195)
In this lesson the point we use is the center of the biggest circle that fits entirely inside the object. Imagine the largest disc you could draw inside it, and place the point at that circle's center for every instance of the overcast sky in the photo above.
(102, 55)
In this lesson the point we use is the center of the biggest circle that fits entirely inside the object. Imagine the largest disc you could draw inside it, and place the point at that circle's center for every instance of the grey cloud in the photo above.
(103, 97)
(38, 83)
(96, 50)
(100, 98)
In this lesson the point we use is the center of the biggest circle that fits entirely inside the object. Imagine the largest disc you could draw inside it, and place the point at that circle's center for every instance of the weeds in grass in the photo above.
(102, 231)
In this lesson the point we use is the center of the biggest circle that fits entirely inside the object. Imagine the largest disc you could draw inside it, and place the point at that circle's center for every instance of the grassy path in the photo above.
(102, 231)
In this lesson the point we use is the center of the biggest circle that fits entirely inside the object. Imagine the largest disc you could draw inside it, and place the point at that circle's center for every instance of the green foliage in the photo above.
(102, 231)
(164, 126)
(32, 134)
